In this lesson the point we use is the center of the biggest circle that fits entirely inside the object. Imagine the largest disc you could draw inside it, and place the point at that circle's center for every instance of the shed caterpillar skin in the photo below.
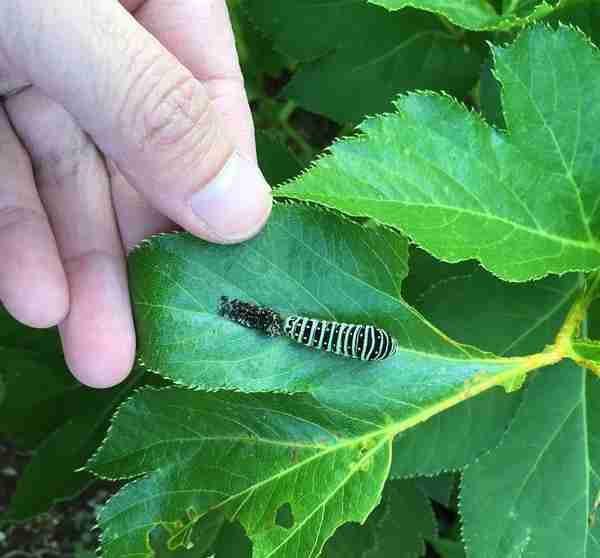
(364, 342)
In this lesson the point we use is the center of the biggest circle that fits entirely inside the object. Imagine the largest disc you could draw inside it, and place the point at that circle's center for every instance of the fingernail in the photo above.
(235, 204)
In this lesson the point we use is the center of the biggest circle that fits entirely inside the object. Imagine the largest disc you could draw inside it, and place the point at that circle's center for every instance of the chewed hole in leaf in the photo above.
(285, 517)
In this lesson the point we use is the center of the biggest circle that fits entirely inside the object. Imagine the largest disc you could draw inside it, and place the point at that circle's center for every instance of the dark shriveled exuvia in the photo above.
(251, 315)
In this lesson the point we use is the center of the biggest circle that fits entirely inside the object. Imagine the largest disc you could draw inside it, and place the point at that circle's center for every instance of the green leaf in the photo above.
(588, 350)
(306, 262)
(392, 54)
(447, 548)
(504, 318)
(407, 520)
(523, 202)
(508, 319)
(593, 438)
(52, 474)
(352, 540)
(255, 52)
(532, 495)
(14, 335)
(477, 15)
(232, 542)
(27, 415)
(425, 272)
(64, 420)
(490, 98)
(195, 541)
(455, 438)
(593, 320)
(277, 162)
(245, 456)
(359, 57)
(305, 30)
(438, 488)
(395, 529)
(583, 15)
(327, 468)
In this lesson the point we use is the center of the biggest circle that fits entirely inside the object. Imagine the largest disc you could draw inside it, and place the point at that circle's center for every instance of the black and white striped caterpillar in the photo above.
(364, 342)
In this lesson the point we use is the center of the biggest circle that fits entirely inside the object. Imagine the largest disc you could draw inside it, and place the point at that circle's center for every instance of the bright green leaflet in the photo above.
(311, 263)
(524, 202)
(534, 494)
(478, 15)
(357, 57)
(246, 456)
(508, 319)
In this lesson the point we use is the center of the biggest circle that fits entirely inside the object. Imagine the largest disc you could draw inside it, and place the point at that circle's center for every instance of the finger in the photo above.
(199, 34)
(136, 218)
(213, 60)
(144, 108)
(10, 87)
(33, 286)
(97, 334)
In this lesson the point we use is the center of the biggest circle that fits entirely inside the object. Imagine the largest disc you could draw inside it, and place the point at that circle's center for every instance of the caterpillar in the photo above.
(364, 342)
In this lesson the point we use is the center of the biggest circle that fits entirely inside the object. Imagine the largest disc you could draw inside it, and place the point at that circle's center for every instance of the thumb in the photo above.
(142, 107)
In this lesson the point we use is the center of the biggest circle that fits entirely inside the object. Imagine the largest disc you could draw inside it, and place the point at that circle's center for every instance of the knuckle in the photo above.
(64, 163)
(178, 118)
(93, 259)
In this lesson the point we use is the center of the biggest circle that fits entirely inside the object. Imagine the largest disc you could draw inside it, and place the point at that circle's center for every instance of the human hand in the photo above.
(137, 121)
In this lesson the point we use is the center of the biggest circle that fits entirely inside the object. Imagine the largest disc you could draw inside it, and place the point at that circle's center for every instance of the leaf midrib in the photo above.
(468, 358)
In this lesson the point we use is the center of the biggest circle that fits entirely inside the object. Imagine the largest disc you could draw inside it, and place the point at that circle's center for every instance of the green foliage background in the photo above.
(457, 205)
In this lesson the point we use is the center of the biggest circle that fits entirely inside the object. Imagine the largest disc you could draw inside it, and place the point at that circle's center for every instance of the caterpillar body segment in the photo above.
(364, 342)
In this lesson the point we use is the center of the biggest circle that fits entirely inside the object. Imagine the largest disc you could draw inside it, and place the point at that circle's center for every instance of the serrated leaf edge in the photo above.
(505, 22)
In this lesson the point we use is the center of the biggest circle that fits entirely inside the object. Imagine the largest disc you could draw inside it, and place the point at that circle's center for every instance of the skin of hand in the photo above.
(136, 122)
